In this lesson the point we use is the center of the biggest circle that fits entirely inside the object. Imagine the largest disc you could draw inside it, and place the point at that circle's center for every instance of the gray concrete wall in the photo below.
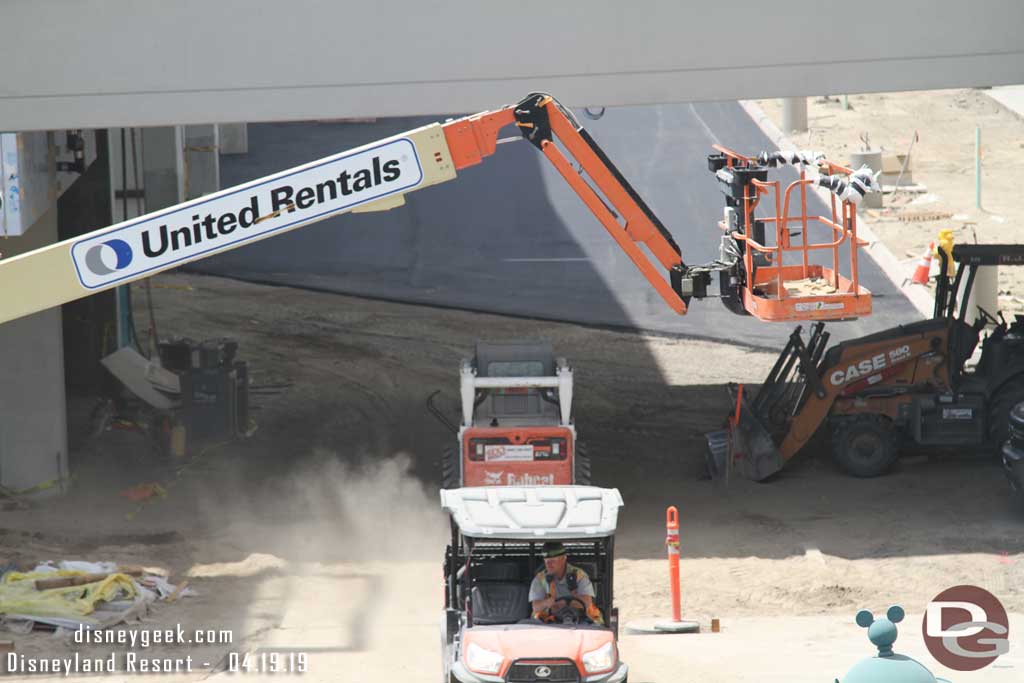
(101, 63)
(33, 413)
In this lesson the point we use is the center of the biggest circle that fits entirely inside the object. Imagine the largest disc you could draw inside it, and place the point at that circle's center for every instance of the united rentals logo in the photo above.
(108, 257)
(287, 200)
(966, 628)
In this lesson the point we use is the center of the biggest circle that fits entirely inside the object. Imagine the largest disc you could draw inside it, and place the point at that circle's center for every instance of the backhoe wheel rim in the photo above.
(867, 447)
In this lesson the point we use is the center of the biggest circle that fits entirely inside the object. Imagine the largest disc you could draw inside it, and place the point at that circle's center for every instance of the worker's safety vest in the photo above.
(573, 575)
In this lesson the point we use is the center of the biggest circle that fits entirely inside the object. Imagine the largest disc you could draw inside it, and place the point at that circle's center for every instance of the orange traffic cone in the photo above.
(924, 267)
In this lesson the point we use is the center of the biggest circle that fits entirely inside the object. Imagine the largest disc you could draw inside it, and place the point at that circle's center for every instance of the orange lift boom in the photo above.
(541, 119)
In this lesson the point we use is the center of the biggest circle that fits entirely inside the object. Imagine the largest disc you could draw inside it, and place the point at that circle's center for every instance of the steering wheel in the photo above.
(574, 611)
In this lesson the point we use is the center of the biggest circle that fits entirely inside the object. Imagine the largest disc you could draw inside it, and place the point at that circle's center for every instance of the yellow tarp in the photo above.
(18, 594)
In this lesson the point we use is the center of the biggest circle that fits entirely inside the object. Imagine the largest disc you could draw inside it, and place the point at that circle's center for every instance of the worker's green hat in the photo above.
(553, 549)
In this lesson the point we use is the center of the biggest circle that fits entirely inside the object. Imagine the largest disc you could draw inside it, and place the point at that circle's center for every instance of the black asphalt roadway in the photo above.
(509, 236)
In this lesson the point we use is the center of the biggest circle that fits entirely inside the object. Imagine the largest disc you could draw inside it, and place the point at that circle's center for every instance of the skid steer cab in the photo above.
(488, 633)
(516, 423)
(911, 385)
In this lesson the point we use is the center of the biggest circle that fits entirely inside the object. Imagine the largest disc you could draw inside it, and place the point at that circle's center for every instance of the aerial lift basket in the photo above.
(766, 283)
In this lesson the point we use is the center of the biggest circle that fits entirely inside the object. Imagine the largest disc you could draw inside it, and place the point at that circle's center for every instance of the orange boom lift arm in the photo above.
(618, 207)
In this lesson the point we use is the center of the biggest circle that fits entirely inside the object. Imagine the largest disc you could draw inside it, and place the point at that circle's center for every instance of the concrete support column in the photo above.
(234, 138)
(794, 114)
(163, 166)
(202, 160)
(33, 412)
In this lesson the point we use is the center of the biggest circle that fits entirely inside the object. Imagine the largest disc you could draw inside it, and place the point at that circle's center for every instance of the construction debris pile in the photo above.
(73, 594)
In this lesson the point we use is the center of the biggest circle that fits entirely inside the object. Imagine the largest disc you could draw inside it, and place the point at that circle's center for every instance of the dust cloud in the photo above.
(323, 509)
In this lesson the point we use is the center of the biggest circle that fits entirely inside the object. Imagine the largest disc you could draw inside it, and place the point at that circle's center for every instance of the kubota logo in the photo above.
(966, 628)
(107, 257)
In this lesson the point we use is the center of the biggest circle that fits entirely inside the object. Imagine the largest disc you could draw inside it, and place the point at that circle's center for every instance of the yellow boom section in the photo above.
(368, 178)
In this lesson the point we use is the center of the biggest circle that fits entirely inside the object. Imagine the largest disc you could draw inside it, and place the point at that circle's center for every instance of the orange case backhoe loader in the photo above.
(907, 385)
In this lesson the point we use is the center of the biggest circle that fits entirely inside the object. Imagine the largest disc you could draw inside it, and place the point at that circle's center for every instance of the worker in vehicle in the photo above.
(561, 585)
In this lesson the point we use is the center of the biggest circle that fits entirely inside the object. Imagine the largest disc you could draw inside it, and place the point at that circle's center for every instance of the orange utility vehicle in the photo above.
(488, 635)
(911, 384)
(517, 427)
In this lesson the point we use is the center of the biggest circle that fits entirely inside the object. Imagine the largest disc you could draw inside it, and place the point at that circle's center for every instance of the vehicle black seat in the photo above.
(497, 571)
(590, 568)
(500, 603)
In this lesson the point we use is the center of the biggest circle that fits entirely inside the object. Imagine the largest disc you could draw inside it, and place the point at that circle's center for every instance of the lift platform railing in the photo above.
(775, 290)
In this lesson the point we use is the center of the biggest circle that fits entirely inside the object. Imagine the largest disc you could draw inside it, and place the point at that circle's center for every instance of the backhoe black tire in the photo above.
(865, 445)
(450, 469)
(1002, 403)
(581, 466)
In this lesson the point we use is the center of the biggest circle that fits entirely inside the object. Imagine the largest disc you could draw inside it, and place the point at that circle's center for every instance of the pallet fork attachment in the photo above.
(749, 445)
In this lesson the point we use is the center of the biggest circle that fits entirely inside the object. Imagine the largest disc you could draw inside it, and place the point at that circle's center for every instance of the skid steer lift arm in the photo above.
(374, 177)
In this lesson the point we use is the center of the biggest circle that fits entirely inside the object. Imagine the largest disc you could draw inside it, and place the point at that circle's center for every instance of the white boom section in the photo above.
(373, 177)
(561, 380)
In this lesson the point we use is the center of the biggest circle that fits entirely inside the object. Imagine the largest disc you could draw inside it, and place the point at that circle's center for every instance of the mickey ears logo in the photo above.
(966, 628)
(109, 256)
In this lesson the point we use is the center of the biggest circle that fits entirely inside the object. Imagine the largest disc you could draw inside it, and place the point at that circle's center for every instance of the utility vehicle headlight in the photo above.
(601, 659)
(483, 661)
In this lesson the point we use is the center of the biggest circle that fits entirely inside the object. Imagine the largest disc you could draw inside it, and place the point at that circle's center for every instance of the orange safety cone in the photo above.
(922, 273)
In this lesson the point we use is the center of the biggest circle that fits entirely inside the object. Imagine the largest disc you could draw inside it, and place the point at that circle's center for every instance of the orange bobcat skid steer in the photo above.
(517, 427)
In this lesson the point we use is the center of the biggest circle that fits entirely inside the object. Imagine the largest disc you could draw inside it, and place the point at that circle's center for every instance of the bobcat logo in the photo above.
(492, 478)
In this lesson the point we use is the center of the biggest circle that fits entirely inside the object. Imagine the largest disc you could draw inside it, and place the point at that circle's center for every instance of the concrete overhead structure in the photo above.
(102, 63)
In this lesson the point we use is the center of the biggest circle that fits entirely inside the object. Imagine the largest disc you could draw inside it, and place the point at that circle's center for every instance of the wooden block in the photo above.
(6, 646)
(68, 581)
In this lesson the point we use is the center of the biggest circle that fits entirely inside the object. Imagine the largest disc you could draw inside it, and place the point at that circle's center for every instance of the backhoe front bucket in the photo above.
(745, 447)
(749, 445)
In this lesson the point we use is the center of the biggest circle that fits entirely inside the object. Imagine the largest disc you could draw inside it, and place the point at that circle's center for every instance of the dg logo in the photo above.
(966, 628)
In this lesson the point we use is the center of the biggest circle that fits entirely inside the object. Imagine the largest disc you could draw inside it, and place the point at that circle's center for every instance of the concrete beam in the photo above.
(144, 62)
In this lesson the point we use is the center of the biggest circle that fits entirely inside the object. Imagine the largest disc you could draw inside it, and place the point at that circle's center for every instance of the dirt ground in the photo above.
(320, 533)
(942, 161)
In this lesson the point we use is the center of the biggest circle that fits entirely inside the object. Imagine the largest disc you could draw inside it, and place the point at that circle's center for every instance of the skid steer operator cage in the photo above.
(772, 289)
